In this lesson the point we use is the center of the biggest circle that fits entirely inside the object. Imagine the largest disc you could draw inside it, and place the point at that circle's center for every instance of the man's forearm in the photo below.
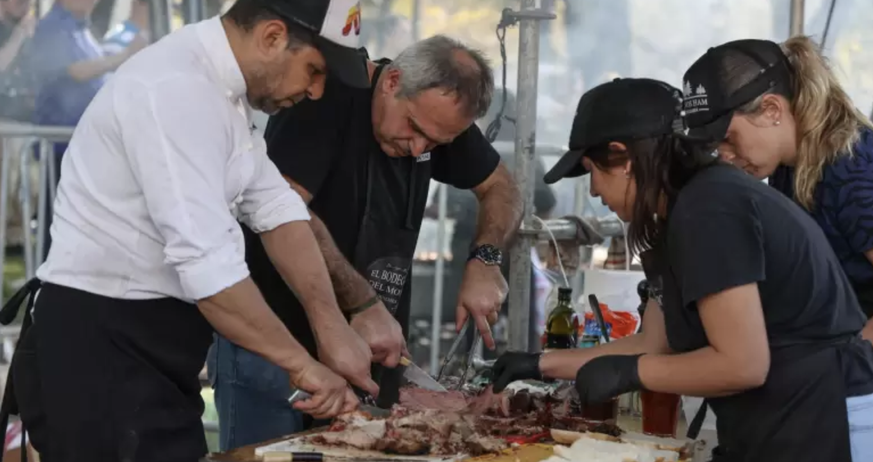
(351, 288)
(83, 71)
(500, 210)
(563, 364)
(241, 315)
(10, 50)
(294, 252)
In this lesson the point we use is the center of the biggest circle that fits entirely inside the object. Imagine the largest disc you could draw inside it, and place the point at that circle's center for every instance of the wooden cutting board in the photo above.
(522, 453)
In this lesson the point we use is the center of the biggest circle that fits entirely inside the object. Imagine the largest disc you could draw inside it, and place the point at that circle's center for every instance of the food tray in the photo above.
(300, 444)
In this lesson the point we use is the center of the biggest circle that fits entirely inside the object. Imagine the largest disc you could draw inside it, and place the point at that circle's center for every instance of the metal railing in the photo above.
(43, 138)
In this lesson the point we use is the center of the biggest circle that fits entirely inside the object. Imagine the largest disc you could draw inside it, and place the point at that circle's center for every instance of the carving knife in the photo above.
(418, 376)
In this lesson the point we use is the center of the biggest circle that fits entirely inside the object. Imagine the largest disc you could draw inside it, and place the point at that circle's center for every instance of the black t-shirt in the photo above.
(323, 146)
(727, 229)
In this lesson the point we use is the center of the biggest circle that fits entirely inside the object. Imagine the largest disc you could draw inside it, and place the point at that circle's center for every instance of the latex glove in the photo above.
(482, 293)
(514, 366)
(331, 394)
(347, 354)
(382, 333)
(606, 377)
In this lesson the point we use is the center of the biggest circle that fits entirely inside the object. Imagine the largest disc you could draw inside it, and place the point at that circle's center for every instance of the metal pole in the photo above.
(416, 23)
(525, 136)
(159, 18)
(438, 278)
(4, 204)
(26, 215)
(45, 150)
(52, 175)
(796, 24)
(194, 10)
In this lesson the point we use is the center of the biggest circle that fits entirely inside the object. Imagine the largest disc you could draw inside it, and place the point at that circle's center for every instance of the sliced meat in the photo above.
(365, 436)
(431, 421)
(405, 441)
(478, 445)
(420, 399)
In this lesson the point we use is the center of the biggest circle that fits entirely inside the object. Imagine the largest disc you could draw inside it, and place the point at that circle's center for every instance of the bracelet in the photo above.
(364, 306)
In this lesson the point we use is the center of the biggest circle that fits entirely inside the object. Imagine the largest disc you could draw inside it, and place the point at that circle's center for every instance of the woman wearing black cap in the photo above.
(756, 99)
(750, 307)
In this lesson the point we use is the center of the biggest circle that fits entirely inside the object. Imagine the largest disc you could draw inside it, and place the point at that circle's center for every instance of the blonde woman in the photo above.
(780, 113)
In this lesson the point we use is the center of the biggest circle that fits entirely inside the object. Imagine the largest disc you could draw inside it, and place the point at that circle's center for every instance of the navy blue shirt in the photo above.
(844, 207)
(60, 40)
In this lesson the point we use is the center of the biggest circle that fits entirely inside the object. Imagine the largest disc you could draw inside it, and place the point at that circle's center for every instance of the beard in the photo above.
(262, 89)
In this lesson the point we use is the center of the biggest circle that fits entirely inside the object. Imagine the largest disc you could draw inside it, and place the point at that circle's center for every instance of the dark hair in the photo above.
(661, 166)
(245, 14)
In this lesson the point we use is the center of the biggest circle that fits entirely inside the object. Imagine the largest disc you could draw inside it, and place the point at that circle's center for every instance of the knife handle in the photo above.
(299, 395)
(282, 456)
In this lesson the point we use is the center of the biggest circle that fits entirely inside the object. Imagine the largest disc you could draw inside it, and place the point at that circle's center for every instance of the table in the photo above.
(247, 453)
(243, 454)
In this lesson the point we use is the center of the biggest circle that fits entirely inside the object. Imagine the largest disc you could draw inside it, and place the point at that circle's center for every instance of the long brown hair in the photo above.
(661, 166)
(828, 124)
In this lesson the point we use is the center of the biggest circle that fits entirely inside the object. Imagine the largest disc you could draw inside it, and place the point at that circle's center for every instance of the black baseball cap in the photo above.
(337, 28)
(624, 109)
(727, 77)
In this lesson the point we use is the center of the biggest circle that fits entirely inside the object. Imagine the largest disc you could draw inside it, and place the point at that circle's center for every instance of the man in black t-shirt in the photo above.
(363, 161)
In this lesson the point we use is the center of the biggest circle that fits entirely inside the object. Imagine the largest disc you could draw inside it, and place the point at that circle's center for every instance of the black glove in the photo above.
(513, 366)
(606, 377)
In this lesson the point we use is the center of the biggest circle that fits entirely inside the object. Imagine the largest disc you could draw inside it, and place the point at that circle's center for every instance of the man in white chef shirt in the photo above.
(147, 254)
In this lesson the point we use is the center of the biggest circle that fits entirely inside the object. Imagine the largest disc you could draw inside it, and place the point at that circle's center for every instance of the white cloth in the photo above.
(160, 167)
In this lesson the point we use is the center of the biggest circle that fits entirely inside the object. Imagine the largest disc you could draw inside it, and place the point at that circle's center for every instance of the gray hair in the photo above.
(445, 63)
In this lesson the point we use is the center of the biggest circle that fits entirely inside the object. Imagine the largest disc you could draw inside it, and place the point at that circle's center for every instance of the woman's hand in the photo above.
(514, 366)
(606, 377)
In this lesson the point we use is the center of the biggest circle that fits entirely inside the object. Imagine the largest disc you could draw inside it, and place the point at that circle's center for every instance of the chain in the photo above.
(506, 20)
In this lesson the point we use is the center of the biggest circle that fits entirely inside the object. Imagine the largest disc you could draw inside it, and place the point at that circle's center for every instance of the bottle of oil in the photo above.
(562, 325)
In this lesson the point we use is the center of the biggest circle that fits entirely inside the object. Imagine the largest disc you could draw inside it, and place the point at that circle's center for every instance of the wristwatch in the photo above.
(488, 254)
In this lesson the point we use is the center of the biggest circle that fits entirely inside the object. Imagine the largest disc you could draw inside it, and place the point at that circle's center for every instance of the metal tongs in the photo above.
(474, 347)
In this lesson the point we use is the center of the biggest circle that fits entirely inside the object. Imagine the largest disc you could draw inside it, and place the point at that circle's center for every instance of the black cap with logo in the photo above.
(621, 110)
(727, 77)
(337, 28)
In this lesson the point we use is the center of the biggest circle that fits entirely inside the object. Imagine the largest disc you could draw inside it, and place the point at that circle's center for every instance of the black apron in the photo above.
(799, 414)
(396, 195)
(25, 402)
(141, 357)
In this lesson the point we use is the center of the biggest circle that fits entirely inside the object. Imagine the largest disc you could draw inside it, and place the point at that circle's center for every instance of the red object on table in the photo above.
(660, 413)
(527, 439)
(601, 412)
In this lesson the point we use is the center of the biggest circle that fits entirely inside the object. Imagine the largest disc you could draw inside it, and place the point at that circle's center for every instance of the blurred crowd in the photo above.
(51, 68)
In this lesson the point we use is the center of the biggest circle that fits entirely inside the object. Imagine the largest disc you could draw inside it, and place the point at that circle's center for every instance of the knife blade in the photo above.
(419, 377)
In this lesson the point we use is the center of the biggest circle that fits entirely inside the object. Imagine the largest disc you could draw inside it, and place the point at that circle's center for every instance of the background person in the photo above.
(68, 68)
(16, 101)
(363, 160)
(123, 35)
(756, 97)
(750, 306)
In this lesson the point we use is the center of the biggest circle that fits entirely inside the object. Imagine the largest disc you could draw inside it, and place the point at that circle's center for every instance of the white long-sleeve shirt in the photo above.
(160, 168)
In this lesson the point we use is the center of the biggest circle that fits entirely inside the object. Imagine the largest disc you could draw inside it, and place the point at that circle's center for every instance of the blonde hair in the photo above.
(828, 123)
